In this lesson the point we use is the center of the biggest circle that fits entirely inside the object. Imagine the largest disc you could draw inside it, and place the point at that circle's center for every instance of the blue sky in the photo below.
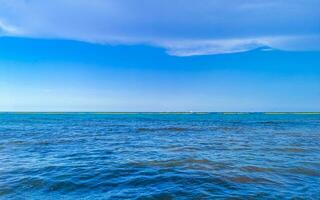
(159, 55)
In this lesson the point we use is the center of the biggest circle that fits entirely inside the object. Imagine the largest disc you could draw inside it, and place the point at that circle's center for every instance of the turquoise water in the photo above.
(157, 156)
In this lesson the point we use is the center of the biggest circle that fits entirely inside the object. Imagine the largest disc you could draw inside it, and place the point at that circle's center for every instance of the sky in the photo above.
(139, 55)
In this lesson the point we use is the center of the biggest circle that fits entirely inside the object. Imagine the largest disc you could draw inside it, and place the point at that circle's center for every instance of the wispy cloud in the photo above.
(224, 46)
(8, 29)
(183, 27)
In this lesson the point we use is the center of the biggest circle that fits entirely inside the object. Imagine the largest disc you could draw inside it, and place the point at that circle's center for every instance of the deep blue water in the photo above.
(154, 156)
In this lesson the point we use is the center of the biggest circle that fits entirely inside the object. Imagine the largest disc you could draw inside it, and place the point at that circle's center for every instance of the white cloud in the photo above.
(218, 46)
(8, 29)
(223, 46)
(183, 27)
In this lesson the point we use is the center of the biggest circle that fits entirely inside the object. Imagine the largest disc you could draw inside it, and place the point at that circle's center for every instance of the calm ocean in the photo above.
(159, 156)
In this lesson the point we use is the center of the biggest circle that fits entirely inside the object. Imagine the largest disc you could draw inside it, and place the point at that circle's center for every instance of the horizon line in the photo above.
(159, 112)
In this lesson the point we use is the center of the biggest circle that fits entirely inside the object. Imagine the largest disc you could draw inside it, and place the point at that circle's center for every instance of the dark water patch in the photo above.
(291, 150)
(5, 191)
(16, 143)
(43, 142)
(183, 149)
(28, 183)
(163, 195)
(257, 169)
(304, 171)
(67, 186)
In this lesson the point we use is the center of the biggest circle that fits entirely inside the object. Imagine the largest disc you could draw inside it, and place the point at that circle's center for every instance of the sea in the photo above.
(159, 156)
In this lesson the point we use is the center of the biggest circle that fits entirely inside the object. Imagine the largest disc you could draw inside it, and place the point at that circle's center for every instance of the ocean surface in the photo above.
(159, 156)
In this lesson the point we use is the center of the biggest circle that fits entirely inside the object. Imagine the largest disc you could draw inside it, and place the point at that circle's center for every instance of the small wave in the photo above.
(256, 169)
(43, 142)
(186, 129)
(273, 122)
(173, 129)
(17, 143)
(67, 186)
(5, 191)
(250, 180)
(195, 164)
(225, 128)
(30, 183)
